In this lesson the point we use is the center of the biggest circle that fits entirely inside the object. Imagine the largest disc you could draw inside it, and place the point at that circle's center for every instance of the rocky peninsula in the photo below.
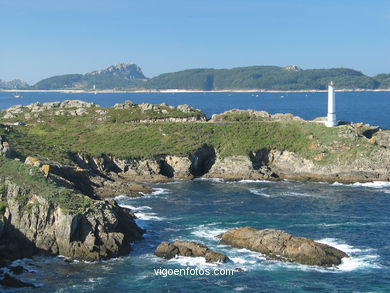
(146, 142)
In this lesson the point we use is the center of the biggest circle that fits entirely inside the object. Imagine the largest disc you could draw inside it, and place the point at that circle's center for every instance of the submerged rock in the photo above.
(169, 250)
(17, 270)
(10, 281)
(279, 245)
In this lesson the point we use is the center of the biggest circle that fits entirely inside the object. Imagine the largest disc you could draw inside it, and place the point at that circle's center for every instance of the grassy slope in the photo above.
(55, 136)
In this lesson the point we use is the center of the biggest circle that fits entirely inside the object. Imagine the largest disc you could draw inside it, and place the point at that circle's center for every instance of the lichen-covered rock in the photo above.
(170, 250)
(279, 245)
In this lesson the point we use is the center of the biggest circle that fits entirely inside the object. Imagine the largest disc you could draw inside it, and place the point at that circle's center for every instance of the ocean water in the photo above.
(353, 218)
(367, 107)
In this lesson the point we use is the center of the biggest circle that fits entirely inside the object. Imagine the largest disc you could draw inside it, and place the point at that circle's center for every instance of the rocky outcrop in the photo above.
(4, 147)
(258, 165)
(289, 165)
(151, 113)
(279, 245)
(243, 115)
(382, 138)
(33, 224)
(158, 168)
(170, 250)
(73, 107)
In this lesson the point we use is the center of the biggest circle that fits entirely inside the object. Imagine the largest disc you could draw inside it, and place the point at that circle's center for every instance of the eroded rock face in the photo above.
(289, 165)
(170, 250)
(40, 226)
(279, 245)
(240, 167)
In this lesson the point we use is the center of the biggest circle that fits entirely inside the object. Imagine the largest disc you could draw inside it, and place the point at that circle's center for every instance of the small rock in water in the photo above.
(279, 245)
(17, 270)
(10, 281)
(170, 250)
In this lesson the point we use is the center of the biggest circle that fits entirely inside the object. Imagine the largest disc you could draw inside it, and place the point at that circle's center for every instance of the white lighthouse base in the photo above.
(331, 122)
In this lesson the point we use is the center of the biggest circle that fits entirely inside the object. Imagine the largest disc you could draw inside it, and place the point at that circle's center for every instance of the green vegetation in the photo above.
(130, 76)
(66, 81)
(262, 77)
(383, 80)
(3, 202)
(33, 182)
(114, 133)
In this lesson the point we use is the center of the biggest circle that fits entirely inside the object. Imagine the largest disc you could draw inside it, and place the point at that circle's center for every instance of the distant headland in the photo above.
(130, 78)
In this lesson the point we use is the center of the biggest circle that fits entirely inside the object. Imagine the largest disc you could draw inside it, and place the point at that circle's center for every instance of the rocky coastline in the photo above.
(92, 227)
(207, 160)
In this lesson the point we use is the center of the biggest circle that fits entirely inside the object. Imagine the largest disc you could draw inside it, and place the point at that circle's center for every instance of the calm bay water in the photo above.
(367, 107)
(354, 218)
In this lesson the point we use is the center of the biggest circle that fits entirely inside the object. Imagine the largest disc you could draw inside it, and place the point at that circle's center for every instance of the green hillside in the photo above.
(383, 80)
(130, 76)
(262, 77)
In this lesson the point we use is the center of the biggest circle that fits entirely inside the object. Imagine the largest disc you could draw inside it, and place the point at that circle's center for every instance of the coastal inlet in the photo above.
(348, 217)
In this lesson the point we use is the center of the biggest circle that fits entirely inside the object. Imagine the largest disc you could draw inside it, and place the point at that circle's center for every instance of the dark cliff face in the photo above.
(39, 226)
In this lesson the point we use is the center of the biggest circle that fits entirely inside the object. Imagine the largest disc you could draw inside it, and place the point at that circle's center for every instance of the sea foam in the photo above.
(259, 192)
(206, 232)
(158, 191)
(375, 184)
(359, 258)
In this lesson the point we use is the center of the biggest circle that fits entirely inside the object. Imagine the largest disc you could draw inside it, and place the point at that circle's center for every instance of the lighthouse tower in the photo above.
(331, 121)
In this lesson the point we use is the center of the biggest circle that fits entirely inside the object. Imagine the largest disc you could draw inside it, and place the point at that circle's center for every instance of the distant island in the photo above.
(268, 78)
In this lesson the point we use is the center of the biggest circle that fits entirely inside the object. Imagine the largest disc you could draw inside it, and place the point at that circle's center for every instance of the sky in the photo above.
(42, 38)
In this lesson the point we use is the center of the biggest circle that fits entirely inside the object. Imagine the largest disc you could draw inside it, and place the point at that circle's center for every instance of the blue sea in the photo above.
(354, 217)
(367, 107)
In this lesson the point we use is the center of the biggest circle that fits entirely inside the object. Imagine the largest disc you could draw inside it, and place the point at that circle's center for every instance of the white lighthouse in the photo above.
(331, 121)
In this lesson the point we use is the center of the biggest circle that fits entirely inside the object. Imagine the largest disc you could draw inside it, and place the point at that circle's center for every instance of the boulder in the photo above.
(279, 245)
(170, 250)
(185, 108)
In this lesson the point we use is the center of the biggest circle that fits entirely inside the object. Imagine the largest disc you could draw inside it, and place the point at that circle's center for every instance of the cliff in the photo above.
(40, 217)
